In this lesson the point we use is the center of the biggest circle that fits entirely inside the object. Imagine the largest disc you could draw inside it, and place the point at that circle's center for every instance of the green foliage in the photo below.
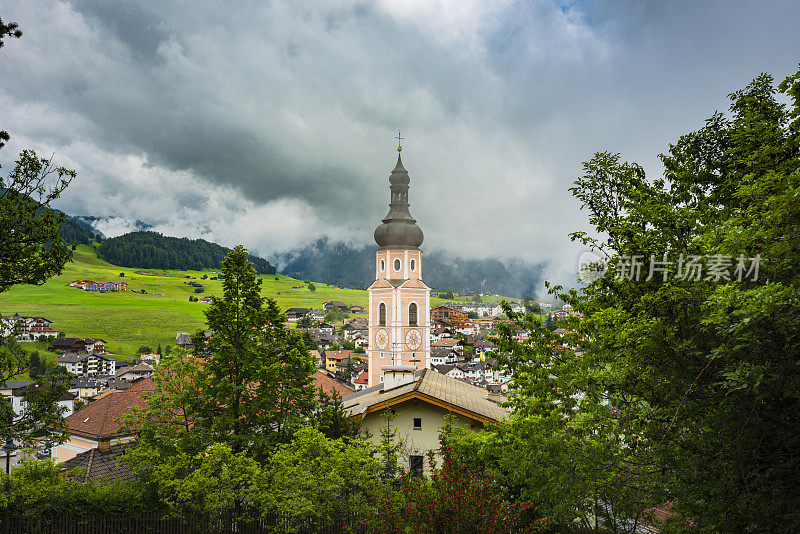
(152, 250)
(312, 287)
(75, 233)
(144, 349)
(685, 391)
(472, 314)
(531, 305)
(37, 366)
(31, 248)
(335, 315)
(39, 488)
(304, 322)
(332, 420)
(460, 496)
(249, 385)
(258, 382)
(323, 480)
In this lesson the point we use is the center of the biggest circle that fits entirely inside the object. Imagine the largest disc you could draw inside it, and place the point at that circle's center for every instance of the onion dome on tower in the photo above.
(399, 229)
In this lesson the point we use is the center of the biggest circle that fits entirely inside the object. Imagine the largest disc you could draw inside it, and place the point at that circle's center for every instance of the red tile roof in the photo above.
(101, 418)
(338, 354)
(362, 378)
(329, 385)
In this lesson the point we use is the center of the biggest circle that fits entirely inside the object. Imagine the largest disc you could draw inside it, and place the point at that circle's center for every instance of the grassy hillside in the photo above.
(127, 320)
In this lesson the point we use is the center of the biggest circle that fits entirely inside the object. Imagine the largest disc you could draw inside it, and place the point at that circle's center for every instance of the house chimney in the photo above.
(397, 375)
(104, 445)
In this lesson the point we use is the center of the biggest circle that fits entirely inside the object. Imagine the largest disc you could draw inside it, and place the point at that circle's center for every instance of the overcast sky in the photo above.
(272, 123)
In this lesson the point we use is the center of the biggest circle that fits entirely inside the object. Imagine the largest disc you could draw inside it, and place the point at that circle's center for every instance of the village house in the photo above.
(184, 341)
(361, 341)
(99, 422)
(28, 328)
(468, 329)
(94, 345)
(449, 313)
(135, 372)
(419, 402)
(443, 355)
(83, 364)
(440, 333)
(327, 328)
(356, 309)
(473, 371)
(338, 304)
(90, 285)
(334, 359)
(450, 343)
(67, 344)
(317, 315)
(482, 347)
(15, 394)
(321, 338)
(151, 359)
(207, 300)
(295, 314)
(86, 389)
(361, 381)
(100, 464)
(450, 370)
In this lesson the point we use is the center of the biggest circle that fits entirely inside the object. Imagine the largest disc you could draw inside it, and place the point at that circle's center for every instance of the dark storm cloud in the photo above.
(272, 123)
(140, 31)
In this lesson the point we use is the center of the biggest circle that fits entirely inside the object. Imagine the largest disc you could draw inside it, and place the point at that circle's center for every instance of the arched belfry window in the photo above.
(397, 265)
(413, 265)
(382, 314)
(412, 314)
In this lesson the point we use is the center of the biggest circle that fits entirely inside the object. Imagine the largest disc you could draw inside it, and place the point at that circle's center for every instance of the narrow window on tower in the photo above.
(383, 265)
(382, 314)
(412, 314)
(413, 265)
(397, 265)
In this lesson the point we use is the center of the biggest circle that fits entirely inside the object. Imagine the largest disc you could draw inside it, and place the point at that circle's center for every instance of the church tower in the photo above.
(399, 301)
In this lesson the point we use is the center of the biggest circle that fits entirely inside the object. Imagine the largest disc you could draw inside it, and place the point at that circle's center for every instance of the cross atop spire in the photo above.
(399, 148)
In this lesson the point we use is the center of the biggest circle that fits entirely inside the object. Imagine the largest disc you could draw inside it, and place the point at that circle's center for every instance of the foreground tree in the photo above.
(248, 385)
(690, 342)
(257, 386)
(31, 251)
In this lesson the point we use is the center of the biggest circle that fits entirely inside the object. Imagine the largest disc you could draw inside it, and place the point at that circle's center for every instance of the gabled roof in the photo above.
(444, 368)
(17, 385)
(441, 352)
(73, 357)
(329, 385)
(101, 418)
(97, 465)
(447, 342)
(363, 378)
(431, 387)
(66, 342)
(338, 354)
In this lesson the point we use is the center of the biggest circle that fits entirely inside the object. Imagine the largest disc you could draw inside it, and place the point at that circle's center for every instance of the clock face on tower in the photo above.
(382, 338)
(413, 339)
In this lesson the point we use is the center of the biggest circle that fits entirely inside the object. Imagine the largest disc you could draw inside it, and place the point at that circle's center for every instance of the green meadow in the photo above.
(129, 319)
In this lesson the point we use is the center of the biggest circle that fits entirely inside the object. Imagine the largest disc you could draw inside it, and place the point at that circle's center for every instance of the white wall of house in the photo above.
(415, 442)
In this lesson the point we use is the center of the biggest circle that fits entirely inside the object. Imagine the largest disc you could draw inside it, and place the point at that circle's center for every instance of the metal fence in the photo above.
(226, 523)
